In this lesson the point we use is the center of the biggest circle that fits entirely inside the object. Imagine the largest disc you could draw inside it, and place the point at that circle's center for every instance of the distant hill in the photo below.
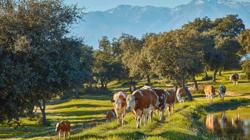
(137, 20)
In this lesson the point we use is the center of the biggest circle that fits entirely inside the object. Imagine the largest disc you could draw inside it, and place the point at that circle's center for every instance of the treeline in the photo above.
(178, 55)
(39, 61)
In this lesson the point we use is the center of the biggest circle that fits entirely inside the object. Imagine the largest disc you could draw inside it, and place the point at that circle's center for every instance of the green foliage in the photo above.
(244, 39)
(246, 68)
(37, 60)
(107, 64)
(223, 47)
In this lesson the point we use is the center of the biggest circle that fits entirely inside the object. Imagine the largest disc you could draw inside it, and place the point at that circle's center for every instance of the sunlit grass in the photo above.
(87, 116)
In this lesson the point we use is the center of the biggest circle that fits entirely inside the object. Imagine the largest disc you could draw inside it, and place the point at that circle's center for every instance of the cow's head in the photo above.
(130, 102)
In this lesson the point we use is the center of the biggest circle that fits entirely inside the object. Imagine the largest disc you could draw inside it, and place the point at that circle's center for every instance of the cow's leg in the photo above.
(162, 115)
(122, 118)
(169, 110)
(59, 135)
(138, 118)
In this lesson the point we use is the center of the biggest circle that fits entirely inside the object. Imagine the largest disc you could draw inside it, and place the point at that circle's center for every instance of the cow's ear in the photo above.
(112, 100)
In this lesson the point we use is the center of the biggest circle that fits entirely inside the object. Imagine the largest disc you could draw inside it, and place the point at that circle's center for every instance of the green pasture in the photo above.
(87, 116)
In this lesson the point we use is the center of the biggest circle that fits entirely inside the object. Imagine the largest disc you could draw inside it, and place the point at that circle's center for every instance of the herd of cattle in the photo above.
(144, 101)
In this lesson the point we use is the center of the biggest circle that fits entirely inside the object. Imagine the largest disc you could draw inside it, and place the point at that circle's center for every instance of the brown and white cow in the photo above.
(161, 99)
(142, 102)
(170, 100)
(63, 128)
(119, 102)
(234, 78)
(209, 91)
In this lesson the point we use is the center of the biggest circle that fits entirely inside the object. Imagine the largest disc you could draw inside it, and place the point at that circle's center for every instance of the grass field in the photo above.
(87, 117)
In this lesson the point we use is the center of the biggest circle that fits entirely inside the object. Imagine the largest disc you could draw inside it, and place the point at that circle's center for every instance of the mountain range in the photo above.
(137, 20)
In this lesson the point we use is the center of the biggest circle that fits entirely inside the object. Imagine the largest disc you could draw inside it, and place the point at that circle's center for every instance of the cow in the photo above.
(222, 91)
(110, 115)
(63, 128)
(142, 102)
(209, 91)
(234, 78)
(119, 102)
(162, 98)
(170, 100)
(180, 95)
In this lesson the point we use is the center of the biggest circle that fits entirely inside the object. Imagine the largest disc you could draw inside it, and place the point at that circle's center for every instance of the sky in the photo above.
(101, 5)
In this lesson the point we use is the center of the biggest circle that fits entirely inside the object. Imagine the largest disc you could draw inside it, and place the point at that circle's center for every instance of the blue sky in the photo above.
(100, 5)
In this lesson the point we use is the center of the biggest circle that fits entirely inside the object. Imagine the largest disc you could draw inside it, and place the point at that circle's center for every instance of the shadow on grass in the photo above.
(173, 135)
(97, 96)
(78, 113)
(80, 106)
(228, 105)
(135, 135)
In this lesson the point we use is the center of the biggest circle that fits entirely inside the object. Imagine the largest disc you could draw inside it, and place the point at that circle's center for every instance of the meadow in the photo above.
(87, 116)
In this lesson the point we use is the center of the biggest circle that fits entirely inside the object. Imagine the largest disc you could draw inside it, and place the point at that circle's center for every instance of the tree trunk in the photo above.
(214, 76)
(131, 85)
(190, 98)
(195, 83)
(42, 107)
(148, 80)
(220, 71)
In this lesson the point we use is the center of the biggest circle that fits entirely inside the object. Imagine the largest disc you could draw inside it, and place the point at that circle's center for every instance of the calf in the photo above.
(234, 78)
(142, 102)
(110, 115)
(209, 91)
(63, 128)
(170, 100)
(119, 102)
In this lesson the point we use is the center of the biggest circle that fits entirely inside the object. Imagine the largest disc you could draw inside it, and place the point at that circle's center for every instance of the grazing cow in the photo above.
(110, 115)
(180, 95)
(209, 91)
(142, 102)
(222, 91)
(119, 101)
(234, 78)
(170, 100)
(63, 128)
